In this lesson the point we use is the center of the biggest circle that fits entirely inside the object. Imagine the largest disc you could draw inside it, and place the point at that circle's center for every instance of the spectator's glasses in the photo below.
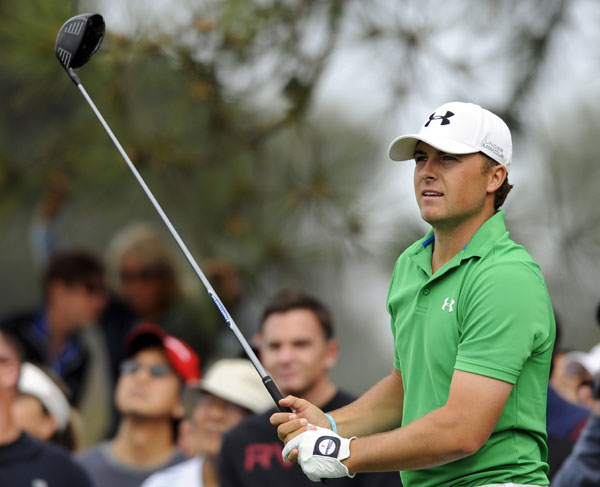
(130, 366)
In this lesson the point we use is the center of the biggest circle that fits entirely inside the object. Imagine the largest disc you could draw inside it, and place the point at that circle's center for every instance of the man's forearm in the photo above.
(453, 431)
(377, 410)
(432, 440)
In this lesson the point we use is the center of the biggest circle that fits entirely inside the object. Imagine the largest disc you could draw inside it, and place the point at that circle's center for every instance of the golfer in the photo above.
(473, 329)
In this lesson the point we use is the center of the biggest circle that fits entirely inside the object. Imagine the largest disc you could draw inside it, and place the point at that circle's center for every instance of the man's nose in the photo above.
(428, 170)
(285, 354)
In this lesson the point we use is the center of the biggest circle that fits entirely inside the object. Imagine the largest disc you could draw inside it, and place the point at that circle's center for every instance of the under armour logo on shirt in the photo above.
(448, 303)
(444, 118)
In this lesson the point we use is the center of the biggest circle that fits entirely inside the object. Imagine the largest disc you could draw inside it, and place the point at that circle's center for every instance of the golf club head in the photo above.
(78, 40)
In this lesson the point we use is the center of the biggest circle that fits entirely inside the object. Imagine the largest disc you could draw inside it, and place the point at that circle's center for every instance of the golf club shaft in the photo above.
(267, 380)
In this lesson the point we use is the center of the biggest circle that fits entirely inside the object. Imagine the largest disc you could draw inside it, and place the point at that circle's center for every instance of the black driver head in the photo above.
(78, 40)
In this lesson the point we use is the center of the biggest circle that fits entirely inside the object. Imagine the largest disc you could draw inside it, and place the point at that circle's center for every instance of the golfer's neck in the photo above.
(452, 239)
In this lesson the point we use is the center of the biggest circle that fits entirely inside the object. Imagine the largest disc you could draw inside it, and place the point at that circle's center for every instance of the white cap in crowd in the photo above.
(590, 361)
(459, 128)
(35, 382)
(237, 381)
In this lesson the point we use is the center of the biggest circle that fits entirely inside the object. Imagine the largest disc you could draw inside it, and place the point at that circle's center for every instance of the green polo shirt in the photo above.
(487, 311)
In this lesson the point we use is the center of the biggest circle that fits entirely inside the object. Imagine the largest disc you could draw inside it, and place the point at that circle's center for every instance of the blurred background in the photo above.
(262, 128)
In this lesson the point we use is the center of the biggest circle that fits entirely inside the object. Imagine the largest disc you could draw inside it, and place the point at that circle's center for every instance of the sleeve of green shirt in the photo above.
(506, 318)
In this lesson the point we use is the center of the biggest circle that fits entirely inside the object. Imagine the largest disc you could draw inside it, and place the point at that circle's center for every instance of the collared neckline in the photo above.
(480, 242)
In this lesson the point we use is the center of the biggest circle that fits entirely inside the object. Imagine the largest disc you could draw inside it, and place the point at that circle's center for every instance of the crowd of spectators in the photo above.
(104, 383)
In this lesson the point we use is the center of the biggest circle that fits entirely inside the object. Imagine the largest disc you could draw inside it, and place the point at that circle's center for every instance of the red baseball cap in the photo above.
(182, 358)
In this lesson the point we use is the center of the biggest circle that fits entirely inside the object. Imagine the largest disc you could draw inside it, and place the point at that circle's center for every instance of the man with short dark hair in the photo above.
(74, 294)
(148, 397)
(297, 347)
(25, 461)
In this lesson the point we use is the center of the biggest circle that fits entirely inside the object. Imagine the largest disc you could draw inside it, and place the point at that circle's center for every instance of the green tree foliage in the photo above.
(215, 102)
(268, 188)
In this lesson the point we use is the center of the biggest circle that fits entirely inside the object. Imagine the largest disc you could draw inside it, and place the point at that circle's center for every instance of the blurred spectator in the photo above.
(564, 419)
(148, 397)
(42, 410)
(582, 467)
(565, 385)
(25, 461)
(74, 295)
(231, 390)
(297, 347)
(583, 366)
(186, 437)
(148, 284)
(143, 271)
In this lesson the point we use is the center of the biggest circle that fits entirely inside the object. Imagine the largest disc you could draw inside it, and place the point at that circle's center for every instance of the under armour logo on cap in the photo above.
(444, 118)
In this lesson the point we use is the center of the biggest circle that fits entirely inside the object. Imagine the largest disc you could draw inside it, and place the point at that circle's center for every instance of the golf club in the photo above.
(78, 40)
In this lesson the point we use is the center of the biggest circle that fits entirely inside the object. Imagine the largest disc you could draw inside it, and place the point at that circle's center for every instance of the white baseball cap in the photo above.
(35, 382)
(237, 381)
(590, 361)
(459, 128)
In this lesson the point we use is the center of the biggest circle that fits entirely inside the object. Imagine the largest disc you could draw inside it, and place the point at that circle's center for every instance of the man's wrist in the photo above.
(332, 423)
(348, 462)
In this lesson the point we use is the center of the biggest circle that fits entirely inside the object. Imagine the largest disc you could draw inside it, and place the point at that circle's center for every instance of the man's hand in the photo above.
(290, 425)
(321, 452)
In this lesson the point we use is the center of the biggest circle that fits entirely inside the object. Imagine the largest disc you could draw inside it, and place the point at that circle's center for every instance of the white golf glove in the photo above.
(320, 454)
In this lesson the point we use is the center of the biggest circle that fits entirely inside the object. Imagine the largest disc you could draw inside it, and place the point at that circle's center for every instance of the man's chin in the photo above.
(292, 389)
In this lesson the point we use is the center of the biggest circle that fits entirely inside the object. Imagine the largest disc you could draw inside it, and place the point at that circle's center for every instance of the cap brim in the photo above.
(239, 397)
(403, 148)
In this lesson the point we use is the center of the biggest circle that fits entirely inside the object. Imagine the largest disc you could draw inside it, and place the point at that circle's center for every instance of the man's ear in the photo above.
(257, 339)
(56, 290)
(496, 177)
(332, 353)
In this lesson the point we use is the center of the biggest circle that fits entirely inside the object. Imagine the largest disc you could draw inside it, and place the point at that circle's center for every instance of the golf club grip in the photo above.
(275, 393)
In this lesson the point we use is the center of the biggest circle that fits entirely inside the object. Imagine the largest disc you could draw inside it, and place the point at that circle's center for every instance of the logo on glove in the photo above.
(327, 446)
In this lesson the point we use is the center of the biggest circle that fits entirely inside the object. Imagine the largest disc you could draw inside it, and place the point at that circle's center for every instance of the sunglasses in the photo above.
(130, 366)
